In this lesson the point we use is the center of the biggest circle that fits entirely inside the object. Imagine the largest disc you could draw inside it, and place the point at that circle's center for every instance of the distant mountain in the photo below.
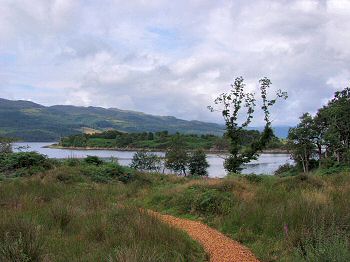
(33, 122)
(29, 121)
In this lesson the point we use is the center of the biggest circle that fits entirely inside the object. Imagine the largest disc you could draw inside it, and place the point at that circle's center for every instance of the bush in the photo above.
(202, 200)
(67, 174)
(106, 172)
(286, 170)
(253, 178)
(93, 160)
(72, 162)
(25, 162)
(335, 169)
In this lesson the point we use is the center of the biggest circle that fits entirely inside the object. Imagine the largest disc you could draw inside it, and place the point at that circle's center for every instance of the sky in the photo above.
(173, 57)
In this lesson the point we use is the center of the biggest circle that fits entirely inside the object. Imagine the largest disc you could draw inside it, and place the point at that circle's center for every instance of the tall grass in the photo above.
(78, 211)
(47, 218)
(275, 217)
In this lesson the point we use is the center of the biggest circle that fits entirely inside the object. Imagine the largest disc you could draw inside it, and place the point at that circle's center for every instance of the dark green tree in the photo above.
(146, 161)
(197, 163)
(301, 141)
(231, 105)
(176, 157)
(336, 125)
(150, 136)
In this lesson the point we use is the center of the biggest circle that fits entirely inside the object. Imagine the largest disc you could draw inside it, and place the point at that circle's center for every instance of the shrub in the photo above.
(202, 200)
(253, 178)
(106, 172)
(93, 160)
(72, 162)
(24, 163)
(335, 168)
(112, 170)
(67, 174)
(286, 170)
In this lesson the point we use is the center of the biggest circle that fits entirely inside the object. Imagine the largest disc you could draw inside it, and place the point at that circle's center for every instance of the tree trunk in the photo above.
(319, 147)
(338, 156)
(303, 163)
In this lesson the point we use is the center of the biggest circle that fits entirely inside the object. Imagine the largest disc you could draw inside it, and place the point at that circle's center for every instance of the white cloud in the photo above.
(173, 58)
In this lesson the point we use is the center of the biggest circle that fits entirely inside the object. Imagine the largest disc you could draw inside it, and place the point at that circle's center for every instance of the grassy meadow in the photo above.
(300, 218)
(63, 215)
(86, 210)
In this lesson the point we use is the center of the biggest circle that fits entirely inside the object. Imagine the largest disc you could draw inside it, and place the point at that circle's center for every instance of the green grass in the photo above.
(46, 219)
(278, 218)
(87, 210)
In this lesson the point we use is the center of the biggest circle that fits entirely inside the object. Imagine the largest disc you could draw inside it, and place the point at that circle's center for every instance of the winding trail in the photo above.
(219, 247)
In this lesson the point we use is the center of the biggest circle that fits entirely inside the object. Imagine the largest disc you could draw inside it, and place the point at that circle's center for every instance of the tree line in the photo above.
(160, 140)
(323, 140)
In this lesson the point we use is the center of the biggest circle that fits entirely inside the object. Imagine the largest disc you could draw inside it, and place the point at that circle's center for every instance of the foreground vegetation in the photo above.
(89, 210)
(299, 218)
(64, 214)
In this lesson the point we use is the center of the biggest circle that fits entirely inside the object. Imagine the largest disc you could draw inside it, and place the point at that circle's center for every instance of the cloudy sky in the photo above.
(173, 57)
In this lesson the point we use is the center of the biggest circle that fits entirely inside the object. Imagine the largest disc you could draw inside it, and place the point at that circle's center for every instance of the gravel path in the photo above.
(219, 247)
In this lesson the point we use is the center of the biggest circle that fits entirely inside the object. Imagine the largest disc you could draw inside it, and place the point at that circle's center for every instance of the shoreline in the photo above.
(55, 146)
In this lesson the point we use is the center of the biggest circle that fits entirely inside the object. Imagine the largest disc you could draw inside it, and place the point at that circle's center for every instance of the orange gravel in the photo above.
(219, 247)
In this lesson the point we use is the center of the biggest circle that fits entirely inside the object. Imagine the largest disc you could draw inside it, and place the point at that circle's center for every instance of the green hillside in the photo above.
(33, 122)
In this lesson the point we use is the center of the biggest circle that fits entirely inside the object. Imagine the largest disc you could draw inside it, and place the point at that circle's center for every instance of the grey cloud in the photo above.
(122, 54)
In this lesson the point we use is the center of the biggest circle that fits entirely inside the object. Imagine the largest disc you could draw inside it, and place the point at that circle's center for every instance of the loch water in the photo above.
(265, 164)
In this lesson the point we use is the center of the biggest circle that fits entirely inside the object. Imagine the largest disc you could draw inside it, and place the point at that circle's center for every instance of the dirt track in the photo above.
(219, 247)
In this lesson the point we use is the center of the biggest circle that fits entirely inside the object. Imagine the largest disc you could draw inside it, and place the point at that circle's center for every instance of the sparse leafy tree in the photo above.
(146, 161)
(5, 145)
(231, 105)
(198, 164)
(176, 157)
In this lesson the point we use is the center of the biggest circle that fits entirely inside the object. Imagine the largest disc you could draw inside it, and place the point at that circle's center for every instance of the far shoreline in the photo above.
(56, 146)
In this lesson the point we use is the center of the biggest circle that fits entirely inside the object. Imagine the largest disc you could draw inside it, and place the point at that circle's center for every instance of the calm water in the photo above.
(266, 164)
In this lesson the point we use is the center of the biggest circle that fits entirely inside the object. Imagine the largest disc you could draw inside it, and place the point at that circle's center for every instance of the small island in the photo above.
(160, 141)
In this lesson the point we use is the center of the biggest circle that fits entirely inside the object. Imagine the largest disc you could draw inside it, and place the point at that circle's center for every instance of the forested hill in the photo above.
(29, 121)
